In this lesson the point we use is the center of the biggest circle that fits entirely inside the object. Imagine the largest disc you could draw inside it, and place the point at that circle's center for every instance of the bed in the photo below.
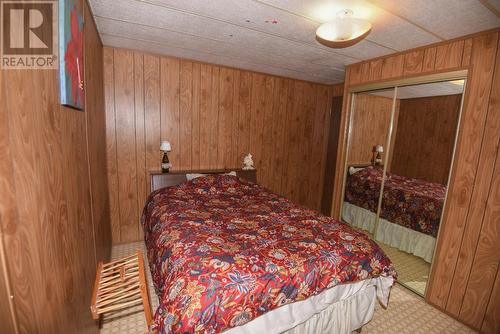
(228, 255)
(409, 215)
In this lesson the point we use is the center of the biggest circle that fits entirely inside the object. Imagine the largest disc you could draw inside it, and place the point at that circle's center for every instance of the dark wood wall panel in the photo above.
(449, 55)
(96, 137)
(490, 322)
(429, 60)
(371, 122)
(111, 163)
(464, 255)
(332, 146)
(486, 259)
(414, 61)
(126, 143)
(52, 173)
(425, 137)
(479, 249)
(140, 135)
(8, 221)
(463, 178)
(213, 116)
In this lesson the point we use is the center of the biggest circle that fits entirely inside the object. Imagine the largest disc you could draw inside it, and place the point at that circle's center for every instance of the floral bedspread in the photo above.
(412, 203)
(223, 251)
(363, 188)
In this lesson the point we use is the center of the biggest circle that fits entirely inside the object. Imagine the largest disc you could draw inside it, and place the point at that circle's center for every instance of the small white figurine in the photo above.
(248, 162)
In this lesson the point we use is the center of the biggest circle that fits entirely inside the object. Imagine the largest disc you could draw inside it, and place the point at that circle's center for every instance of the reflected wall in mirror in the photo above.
(369, 129)
(410, 185)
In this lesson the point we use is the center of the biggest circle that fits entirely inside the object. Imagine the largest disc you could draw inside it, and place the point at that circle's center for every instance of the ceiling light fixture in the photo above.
(343, 31)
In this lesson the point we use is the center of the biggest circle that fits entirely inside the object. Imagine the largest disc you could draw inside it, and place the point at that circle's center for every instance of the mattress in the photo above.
(224, 251)
(412, 203)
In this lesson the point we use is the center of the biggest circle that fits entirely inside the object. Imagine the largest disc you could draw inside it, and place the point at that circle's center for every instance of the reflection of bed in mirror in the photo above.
(409, 215)
(399, 150)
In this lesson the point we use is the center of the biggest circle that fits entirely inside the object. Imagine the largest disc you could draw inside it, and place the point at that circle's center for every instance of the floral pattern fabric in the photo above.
(223, 251)
(412, 203)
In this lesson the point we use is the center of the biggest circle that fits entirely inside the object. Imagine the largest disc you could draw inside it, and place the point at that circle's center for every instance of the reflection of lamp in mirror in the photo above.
(165, 163)
(377, 161)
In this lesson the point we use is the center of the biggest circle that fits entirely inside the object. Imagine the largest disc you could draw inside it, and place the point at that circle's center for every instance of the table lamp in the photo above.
(165, 163)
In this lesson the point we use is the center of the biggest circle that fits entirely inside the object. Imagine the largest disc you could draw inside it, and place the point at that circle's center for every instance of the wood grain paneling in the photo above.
(324, 98)
(7, 315)
(126, 143)
(96, 137)
(429, 60)
(467, 52)
(185, 114)
(8, 220)
(111, 167)
(413, 62)
(479, 249)
(355, 75)
(392, 67)
(169, 102)
(53, 181)
(449, 55)
(244, 114)
(486, 259)
(140, 135)
(463, 176)
(151, 115)
(280, 117)
(370, 127)
(213, 116)
(375, 72)
(425, 137)
(454, 284)
(225, 117)
(490, 322)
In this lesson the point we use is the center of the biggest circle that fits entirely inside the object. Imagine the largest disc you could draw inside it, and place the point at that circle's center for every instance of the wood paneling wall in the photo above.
(213, 116)
(52, 222)
(463, 280)
(96, 137)
(371, 122)
(425, 137)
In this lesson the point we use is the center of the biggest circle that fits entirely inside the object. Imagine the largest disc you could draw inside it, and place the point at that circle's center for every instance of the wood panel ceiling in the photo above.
(278, 36)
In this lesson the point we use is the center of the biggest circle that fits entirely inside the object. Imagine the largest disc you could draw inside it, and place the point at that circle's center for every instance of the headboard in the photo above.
(161, 180)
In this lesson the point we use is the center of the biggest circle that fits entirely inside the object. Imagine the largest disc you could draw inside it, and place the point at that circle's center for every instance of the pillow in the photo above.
(196, 175)
(353, 170)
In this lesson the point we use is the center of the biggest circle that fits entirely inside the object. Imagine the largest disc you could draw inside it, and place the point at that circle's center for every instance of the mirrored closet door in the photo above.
(398, 196)
(369, 130)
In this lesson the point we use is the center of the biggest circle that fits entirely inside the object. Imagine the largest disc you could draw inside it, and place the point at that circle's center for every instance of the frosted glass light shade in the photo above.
(344, 31)
(165, 146)
(379, 149)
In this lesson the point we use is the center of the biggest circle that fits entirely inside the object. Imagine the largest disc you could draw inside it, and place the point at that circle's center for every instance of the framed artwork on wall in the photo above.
(71, 74)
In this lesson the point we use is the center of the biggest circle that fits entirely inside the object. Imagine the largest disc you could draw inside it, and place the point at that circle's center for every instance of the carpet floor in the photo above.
(413, 272)
(407, 312)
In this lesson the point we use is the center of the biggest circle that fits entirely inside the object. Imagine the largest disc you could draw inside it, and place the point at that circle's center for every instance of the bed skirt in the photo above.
(341, 309)
(400, 237)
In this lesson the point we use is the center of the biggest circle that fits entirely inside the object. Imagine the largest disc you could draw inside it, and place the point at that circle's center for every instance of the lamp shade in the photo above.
(343, 31)
(379, 149)
(165, 146)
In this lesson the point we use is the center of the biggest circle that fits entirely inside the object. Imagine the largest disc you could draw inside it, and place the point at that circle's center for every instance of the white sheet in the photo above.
(400, 237)
(193, 176)
(340, 309)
